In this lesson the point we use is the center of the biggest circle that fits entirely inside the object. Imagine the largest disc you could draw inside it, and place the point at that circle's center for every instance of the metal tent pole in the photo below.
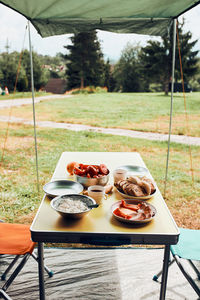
(171, 106)
(33, 104)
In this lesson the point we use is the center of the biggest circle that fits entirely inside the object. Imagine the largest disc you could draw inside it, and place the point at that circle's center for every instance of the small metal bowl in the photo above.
(86, 182)
(62, 187)
(74, 197)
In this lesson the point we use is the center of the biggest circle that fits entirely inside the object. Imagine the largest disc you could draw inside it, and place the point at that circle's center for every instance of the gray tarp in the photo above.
(106, 274)
(54, 17)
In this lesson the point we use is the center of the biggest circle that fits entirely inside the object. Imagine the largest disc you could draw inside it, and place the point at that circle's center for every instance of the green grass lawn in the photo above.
(135, 111)
(22, 95)
(19, 199)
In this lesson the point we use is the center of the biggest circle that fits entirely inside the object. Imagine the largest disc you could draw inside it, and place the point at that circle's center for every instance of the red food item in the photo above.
(103, 169)
(119, 213)
(96, 167)
(135, 212)
(83, 167)
(71, 166)
(130, 206)
(92, 171)
(79, 172)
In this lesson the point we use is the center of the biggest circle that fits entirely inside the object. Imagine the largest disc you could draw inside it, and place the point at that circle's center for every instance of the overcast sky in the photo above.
(12, 29)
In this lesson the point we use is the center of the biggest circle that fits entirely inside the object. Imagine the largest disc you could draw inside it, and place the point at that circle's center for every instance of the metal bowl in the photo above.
(62, 187)
(86, 182)
(74, 197)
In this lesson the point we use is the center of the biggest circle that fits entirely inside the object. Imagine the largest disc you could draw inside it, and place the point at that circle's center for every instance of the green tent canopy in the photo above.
(55, 17)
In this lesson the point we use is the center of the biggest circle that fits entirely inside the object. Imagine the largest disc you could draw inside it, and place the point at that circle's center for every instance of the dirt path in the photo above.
(22, 101)
(114, 131)
(78, 127)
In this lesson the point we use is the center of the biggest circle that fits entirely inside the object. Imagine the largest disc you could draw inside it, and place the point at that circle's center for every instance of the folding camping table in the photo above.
(99, 227)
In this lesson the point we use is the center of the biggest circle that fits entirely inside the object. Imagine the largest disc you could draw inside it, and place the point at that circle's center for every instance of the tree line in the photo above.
(139, 69)
(15, 70)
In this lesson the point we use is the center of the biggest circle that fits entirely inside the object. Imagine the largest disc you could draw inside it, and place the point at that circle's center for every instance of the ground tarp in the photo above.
(53, 17)
(100, 274)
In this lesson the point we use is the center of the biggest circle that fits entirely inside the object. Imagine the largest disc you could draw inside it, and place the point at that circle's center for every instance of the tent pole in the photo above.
(33, 104)
(171, 106)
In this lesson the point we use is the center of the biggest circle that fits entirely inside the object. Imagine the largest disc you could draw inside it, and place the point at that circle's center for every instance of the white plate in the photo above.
(136, 170)
(116, 205)
(134, 197)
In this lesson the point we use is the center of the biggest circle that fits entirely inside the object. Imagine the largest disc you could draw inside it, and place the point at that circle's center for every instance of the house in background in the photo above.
(56, 86)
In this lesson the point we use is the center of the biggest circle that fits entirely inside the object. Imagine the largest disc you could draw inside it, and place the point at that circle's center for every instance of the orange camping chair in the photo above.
(15, 239)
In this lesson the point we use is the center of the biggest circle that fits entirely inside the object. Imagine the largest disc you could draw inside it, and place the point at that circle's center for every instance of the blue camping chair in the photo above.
(187, 248)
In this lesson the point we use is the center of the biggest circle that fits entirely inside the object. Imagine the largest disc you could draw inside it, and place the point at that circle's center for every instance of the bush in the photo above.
(155, 88)
(88, 90)
(195, 84)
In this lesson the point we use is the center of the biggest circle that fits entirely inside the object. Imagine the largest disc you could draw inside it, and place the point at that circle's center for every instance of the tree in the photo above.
(127, 70)
(157, 58)
(195, 80)
(109, 80)
(38, 72)
(9, 63)
(85, 61)
(8, 67)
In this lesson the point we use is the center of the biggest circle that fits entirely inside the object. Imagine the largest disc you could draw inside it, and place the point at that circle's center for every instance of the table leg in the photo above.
(164, 272)
(41, 270)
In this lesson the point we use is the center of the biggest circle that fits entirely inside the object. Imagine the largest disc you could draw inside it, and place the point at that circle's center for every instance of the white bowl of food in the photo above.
(73, 206)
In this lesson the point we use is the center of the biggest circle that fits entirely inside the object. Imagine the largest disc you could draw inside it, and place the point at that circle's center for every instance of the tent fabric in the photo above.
(55, 17)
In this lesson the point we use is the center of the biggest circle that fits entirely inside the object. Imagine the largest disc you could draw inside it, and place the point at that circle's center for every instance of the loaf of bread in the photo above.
(136, 186)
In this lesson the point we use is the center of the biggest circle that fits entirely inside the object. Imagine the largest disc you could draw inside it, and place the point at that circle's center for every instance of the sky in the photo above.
(12, 32)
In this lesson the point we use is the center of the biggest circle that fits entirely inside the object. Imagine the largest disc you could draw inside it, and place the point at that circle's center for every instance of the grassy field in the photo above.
(135, 111)
(22, 95)
(19, 199)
